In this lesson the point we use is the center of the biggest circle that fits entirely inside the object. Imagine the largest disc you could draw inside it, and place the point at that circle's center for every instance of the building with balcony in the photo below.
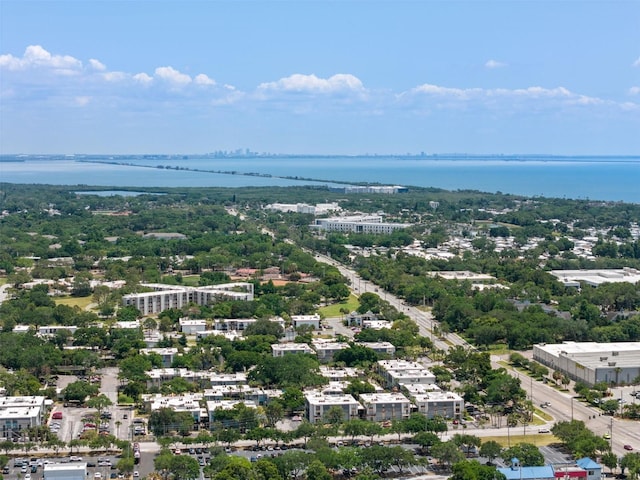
(317, 406)
(380, 407)
(439, 404)
(164, 297)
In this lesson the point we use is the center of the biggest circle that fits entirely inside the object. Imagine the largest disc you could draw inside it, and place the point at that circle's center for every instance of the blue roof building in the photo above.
(594, 469)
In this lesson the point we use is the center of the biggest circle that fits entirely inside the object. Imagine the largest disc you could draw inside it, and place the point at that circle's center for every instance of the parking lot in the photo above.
(98, 467)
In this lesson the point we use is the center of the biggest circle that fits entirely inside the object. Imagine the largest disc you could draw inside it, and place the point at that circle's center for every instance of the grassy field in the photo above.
(82, 302)
(334, 310)
(3, 280)
(537, 439)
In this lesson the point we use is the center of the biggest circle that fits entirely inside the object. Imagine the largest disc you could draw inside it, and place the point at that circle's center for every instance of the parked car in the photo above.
(628, 447)
(544, 430)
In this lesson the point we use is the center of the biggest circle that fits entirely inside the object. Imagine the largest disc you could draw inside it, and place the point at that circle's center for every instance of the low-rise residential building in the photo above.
(401, 372)
(14, 420)
(339, 374)
(259, 396)
(439, 404)
(240, 324)
(355, 319)
(52, 330)
(387, 349)
(20, 413)
(309, 320)
(217, 405)
(187, 402)
(282, 349)
(326, 350)
(236, 378)
(192, 327)
(317, 405)
(380, 407)
(167, 354)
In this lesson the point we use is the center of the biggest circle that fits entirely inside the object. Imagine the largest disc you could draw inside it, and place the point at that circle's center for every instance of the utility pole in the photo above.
(572, 409)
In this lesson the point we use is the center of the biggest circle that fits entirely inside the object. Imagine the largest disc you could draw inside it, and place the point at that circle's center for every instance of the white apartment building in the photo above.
(382, 348)
(401, 372)
(310, 320)
(192, 327)
(158, 376)
(282, 349)
(317, 405)
(20, 413)
(439, 404)
(187, 402)
(164, 297)
(238, 392)
(240, 324)
(358, 224)
(339, 374)
(380, 407)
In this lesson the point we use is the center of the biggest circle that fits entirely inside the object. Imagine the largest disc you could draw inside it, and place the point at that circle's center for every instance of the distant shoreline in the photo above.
(430, 157)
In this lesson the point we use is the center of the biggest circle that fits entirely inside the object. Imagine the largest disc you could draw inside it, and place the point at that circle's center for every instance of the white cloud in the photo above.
(458, 93)
(634, 91)
(173, 76)
(636, 63)
(36, 56)
(499, 97)
(114, 76)
(143, 78)
(474, 93)
(311, 84)
(82, 101)
(202, 79)
(494, 64)
(97, 65)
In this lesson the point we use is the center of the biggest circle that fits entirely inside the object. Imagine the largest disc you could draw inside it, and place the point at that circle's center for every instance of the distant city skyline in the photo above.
(320, 77)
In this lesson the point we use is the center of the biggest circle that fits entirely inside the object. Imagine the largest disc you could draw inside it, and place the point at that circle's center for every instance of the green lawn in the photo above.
(3, 280)
(537, 439)
(82, 302)
(334, 310)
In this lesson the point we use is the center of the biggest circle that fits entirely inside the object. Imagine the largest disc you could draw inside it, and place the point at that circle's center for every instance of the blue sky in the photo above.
(342, 77)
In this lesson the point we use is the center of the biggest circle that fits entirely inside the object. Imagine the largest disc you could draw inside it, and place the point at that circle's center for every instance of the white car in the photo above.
(27, 476)
(136, 474)
(97, 475)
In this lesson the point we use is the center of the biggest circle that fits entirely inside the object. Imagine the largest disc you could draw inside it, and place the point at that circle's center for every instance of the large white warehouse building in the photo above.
(590, 362)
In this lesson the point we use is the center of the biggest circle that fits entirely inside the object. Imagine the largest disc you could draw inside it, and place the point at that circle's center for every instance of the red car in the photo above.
(628, 447)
